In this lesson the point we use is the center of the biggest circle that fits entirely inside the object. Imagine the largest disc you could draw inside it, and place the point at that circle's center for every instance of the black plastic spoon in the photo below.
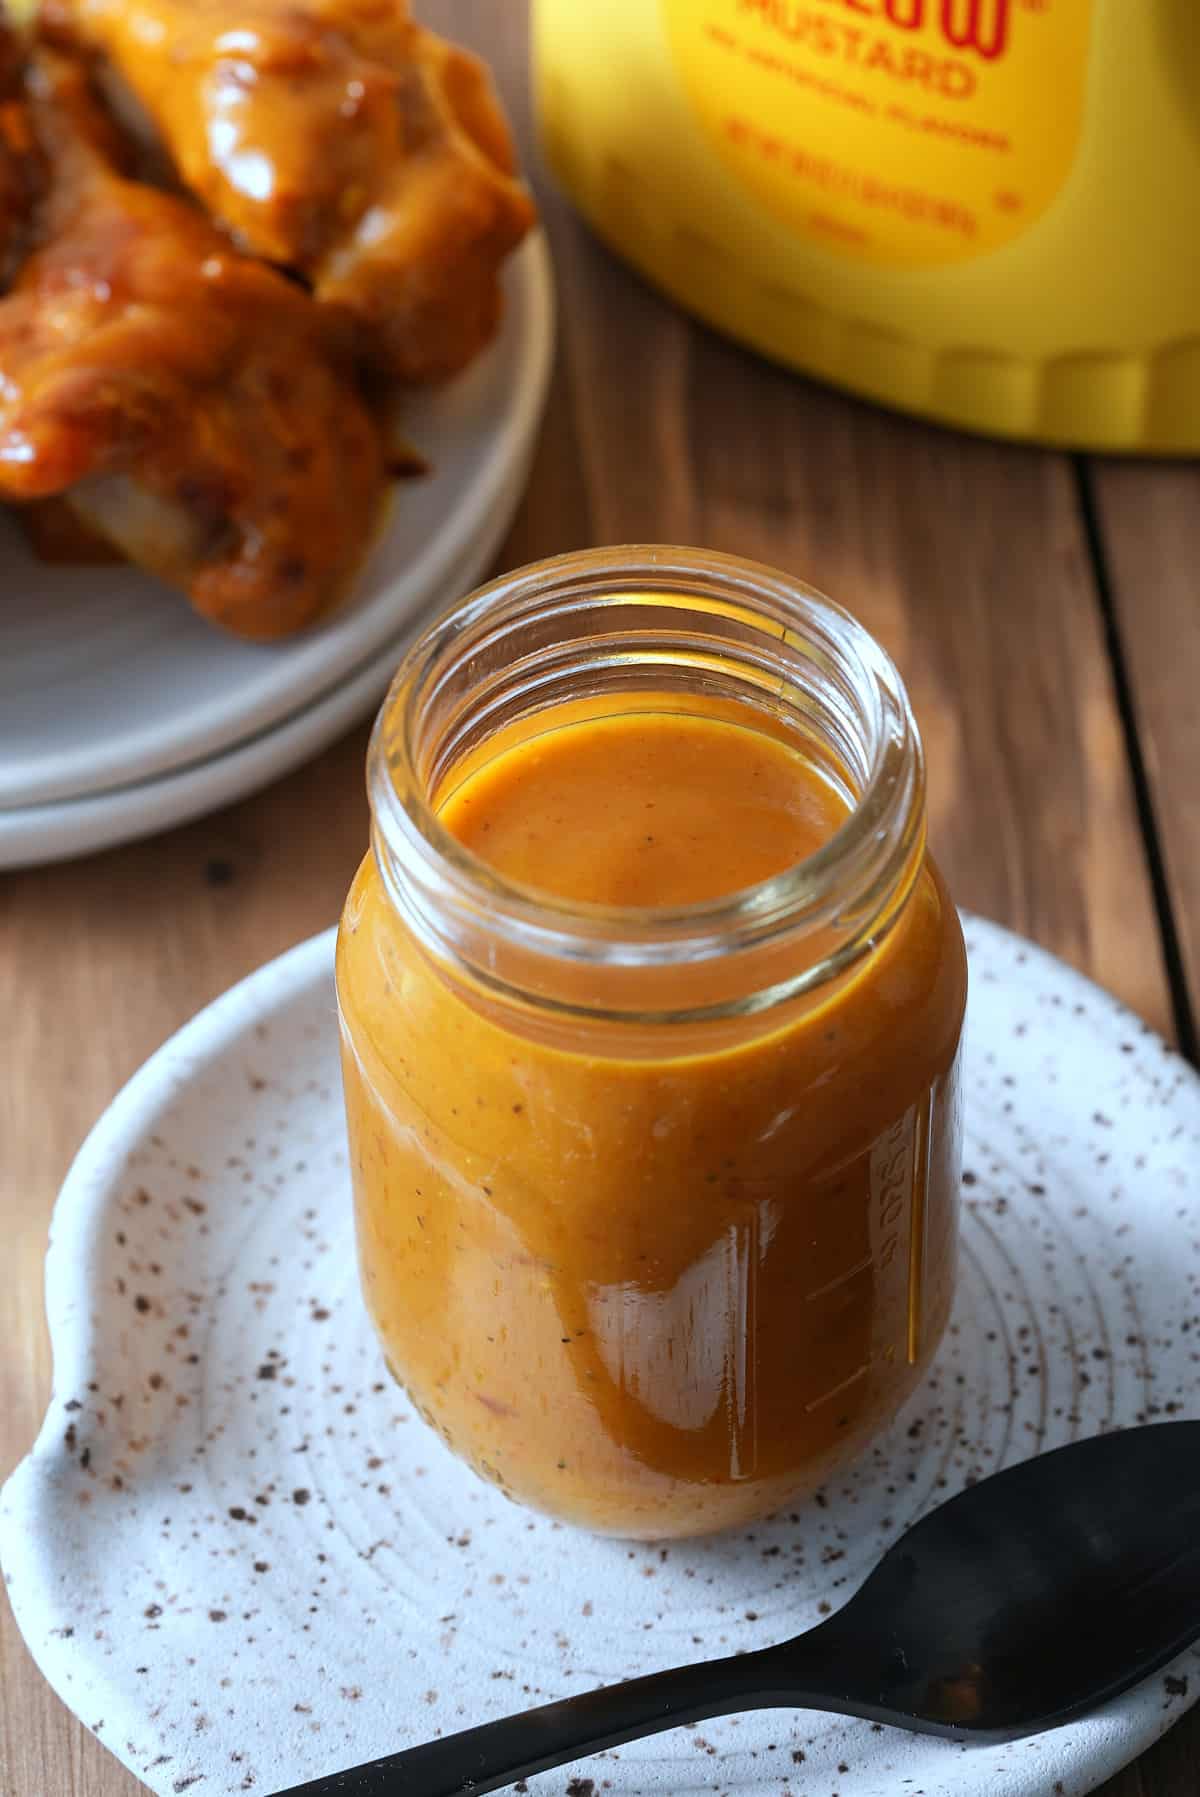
(1030, 1598)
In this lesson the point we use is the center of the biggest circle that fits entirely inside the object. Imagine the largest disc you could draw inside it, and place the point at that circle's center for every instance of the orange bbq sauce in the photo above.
(654, 1290)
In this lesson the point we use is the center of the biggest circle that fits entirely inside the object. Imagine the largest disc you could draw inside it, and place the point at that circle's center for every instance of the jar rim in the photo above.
(437, 881)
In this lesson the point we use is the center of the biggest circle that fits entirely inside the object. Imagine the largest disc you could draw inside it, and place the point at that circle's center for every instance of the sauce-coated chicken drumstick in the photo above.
(189, 403)
(339, 139)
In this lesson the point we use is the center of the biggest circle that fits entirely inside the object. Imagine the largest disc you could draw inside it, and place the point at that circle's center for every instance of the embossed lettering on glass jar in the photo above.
(656, 1201)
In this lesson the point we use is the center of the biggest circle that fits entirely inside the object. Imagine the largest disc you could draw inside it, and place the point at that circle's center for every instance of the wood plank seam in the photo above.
(1186, 1032)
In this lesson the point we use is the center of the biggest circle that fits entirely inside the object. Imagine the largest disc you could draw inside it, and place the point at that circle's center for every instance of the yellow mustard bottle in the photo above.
(984, 211)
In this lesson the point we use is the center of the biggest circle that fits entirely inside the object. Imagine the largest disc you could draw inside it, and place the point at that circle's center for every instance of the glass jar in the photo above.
(656, 1205)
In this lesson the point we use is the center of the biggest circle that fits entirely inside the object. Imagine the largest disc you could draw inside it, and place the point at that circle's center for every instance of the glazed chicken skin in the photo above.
(341, 140)
(186, 401)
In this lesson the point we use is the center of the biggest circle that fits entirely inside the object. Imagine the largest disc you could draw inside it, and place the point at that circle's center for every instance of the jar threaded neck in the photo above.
(615, 624)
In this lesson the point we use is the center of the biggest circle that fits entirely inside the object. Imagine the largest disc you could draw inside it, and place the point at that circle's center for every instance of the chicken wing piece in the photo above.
(418, 268)
(341, 140)
(187, 401)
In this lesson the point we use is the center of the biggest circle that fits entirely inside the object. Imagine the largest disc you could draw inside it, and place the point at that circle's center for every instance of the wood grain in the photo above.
(967, 559)
(1149, 524)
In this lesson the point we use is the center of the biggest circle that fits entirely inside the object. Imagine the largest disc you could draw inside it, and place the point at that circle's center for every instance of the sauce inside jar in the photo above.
(644, 808)
(658, 1284)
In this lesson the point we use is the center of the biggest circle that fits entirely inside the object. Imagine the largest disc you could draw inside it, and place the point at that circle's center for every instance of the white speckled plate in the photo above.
(107, 678)
(239, 1557)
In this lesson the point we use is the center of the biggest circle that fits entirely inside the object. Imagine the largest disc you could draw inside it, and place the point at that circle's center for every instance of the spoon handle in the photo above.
(495, 1754)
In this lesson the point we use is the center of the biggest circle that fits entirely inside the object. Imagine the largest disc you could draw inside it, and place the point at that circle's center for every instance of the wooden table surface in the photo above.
(1045, 613)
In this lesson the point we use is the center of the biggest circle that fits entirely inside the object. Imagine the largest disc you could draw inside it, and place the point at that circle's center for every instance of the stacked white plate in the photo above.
(122, 712)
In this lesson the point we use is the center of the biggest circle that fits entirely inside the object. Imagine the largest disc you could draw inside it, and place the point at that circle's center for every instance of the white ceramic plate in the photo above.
(32, 835)
(243, 1562)
(107, 678)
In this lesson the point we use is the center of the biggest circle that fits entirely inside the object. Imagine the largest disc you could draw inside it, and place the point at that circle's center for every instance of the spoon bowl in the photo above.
(1032, 1597)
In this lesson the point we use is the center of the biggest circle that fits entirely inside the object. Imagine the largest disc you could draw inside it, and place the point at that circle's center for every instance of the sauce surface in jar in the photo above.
(644, 808)
(657, 1281)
